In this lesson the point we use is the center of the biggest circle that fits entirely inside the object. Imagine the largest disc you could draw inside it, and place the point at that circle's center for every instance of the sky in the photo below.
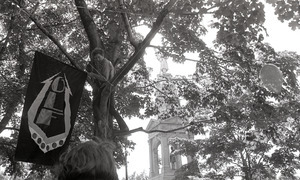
(281, 38)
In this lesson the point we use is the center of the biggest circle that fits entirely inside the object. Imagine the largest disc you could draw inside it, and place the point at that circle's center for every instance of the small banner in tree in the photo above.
(271, 77)
(50, 108)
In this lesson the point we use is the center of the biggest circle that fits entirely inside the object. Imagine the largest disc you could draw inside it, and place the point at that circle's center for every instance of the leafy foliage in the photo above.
(287, 11)
(135, 176)
(249, 129)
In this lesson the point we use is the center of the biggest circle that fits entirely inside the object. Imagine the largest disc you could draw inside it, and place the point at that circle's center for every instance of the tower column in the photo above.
(151, 158)
(178, 163)
(155, 162)
(189, 159)
(165, 154)
(178, 159)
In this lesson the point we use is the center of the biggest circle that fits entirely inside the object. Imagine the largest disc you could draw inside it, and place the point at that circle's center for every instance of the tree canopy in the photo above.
(224, 97)
(135, 176)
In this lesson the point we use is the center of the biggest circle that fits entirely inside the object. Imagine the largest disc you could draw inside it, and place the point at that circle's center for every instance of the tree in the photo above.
(72, 31)
(250, 129)
(140, 176)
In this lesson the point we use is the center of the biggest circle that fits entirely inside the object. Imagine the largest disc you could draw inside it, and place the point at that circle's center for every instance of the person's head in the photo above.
(92, 160)
(97, 53)
(172, 149)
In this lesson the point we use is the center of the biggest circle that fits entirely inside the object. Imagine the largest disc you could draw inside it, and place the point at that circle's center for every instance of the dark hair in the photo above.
(92, 160)
(96, 51)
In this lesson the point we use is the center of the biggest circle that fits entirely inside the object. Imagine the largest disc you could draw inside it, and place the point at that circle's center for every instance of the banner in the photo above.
(49, 112)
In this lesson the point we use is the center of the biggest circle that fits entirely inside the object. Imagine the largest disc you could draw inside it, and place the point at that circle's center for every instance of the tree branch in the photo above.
(160, 49)
(7, 144)
(122, 125)
(49, 35)
(7, 80)
(141, 129)
(9, 32)
(143, 45)
(12, 128)
(89, 25)
(131, 39)
(148, 132)
(54, 25)
(261, 158)
(9, 111)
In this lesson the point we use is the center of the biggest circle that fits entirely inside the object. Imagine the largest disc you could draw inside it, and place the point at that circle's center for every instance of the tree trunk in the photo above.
(11, 108)
(101, 112)
(245, 167)
(102, 91)
(15, 92)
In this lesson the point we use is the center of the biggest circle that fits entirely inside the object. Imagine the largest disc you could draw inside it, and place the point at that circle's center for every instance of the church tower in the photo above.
(163, 163)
